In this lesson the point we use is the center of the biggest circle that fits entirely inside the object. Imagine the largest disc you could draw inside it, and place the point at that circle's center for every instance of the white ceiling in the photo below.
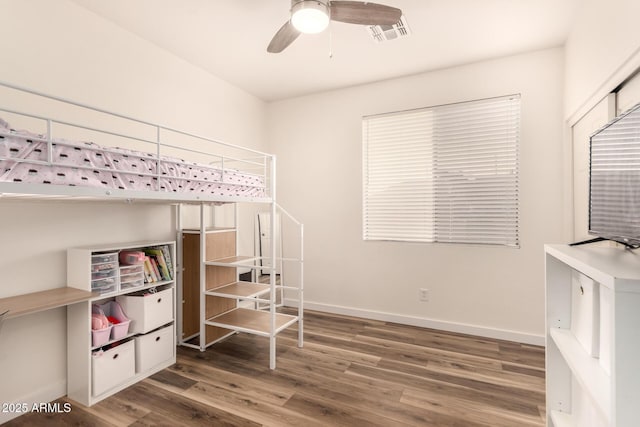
(228, 38)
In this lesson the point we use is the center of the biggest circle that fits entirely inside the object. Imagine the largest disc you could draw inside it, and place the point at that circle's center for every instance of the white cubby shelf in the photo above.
(592, 372)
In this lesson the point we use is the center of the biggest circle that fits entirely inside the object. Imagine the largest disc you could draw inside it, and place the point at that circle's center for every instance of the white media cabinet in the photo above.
(593, 336)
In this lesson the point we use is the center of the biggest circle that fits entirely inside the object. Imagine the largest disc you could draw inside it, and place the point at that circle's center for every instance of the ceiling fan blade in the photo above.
(283, 38)
(364, 13)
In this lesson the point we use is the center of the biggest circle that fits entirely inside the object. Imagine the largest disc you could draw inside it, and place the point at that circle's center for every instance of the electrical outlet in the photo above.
(423, 294)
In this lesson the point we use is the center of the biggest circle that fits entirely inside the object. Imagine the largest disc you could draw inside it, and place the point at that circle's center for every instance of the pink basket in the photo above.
(114, 309)
(100, 336)
(99, 332)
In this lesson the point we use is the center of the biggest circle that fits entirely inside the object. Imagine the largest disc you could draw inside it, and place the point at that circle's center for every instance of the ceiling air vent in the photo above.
(383, 33)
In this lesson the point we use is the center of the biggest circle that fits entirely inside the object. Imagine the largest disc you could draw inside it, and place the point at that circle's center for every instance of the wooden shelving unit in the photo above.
(200, 281)
(223, 305)
(233, 261)
(252, 321)
(240, 289)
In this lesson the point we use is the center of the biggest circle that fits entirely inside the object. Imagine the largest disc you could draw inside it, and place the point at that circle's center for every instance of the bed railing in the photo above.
(117, 131)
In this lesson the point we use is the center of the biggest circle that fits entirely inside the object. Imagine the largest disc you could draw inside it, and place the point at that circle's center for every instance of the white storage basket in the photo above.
(113, 367)
(147, 310)
(154, 348)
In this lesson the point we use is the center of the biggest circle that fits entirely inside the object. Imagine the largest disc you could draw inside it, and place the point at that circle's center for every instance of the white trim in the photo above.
(48, 393)
(620, 74)
(463, 328)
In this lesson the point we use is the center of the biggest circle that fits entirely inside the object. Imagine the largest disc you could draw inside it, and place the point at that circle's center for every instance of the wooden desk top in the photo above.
(20, 305)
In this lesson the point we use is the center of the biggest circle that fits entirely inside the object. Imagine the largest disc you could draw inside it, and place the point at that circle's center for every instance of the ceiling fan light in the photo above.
(310, 17)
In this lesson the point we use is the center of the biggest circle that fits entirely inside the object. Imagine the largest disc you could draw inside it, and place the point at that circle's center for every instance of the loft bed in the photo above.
(136, 161)
(98, 155)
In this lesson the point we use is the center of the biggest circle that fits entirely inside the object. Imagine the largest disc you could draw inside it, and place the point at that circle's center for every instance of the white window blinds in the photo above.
(443, 174)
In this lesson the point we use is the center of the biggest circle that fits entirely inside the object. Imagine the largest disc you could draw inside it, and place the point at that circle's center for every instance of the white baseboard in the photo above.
(45, 394)
(462, 328)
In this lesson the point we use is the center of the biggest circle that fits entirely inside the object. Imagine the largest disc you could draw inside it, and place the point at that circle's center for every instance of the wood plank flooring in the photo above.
(351, 372)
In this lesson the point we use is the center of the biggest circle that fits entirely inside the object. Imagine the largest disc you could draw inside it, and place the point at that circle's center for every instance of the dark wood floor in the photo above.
(351, 372)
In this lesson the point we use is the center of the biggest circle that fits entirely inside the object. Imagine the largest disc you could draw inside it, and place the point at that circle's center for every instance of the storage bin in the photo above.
(132, 285)
(103, 273)
(114, 309)
(131, 269)
(131, 276)
(105, 286)
(112, 367)
(99, 335)
(148, 310)
(101, 258)
(124, 278)
(585, 312)
(154, 348)
(96, 268)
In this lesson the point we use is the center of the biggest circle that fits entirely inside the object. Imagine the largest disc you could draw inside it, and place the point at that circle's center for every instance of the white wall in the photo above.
(602, 49)
(494, 291)
(62, 49)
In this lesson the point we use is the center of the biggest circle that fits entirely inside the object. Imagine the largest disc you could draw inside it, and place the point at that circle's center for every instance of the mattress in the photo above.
(24, 157)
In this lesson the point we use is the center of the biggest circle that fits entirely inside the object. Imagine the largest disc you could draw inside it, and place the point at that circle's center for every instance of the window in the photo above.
(443, 174)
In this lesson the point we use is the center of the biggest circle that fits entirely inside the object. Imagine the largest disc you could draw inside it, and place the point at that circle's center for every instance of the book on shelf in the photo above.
(154, 268)
(148, 271)
(168, 260)
(158, 257)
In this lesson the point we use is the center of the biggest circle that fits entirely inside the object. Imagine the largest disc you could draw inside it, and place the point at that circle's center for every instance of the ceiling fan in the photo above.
(313, 16)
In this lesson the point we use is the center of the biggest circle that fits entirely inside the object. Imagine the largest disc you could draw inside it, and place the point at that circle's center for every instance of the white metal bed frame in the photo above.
(255, 159)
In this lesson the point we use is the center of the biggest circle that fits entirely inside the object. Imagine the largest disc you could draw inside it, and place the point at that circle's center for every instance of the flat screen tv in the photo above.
(614, 180)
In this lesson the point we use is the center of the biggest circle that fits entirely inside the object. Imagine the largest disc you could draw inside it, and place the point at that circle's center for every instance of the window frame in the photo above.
(490, 210)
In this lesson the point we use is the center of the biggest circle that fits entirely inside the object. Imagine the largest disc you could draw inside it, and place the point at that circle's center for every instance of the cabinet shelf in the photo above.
(126, 337)
(240, 290)
(614, 268)
(593, 343)
(252, 321)
(586, 369)
(92, 376)
(97, 297)
(236, 261)
(44, 300)
(247, 261)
